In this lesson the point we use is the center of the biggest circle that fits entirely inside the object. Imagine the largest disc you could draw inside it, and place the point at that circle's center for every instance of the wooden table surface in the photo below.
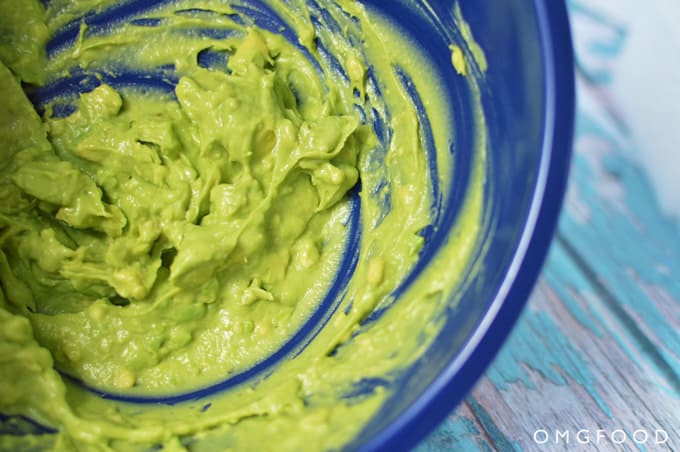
(594, 362)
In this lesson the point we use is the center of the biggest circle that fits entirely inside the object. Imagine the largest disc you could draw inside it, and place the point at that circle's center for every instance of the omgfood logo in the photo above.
(587, 436)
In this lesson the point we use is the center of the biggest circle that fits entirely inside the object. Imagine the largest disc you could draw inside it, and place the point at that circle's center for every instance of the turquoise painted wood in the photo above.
(598, 347)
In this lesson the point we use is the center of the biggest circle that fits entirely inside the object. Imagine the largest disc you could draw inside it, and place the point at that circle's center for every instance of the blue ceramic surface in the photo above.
(528, 98)
(527, 95)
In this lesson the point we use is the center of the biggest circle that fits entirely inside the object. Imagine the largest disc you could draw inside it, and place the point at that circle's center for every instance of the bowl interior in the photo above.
(526, 141)
(528, 100)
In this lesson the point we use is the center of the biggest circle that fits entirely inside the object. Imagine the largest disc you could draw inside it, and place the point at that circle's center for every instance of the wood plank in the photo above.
(612, 225)
(571, 365)
(612, 219)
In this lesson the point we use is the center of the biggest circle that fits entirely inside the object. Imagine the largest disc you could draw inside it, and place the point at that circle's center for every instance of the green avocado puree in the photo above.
(155, 242)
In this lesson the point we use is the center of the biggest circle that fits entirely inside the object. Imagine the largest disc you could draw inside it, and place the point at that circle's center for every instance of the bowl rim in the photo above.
(460, 375)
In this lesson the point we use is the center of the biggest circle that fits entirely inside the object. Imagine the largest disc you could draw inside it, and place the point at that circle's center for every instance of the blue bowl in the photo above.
(528, 100)
(527, 95)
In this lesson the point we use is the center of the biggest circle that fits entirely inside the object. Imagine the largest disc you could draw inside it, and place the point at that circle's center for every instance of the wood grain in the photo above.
(626, 246)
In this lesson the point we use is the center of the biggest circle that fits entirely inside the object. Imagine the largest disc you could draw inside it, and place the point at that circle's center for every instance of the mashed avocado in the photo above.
(161, 238)
(166, 231)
